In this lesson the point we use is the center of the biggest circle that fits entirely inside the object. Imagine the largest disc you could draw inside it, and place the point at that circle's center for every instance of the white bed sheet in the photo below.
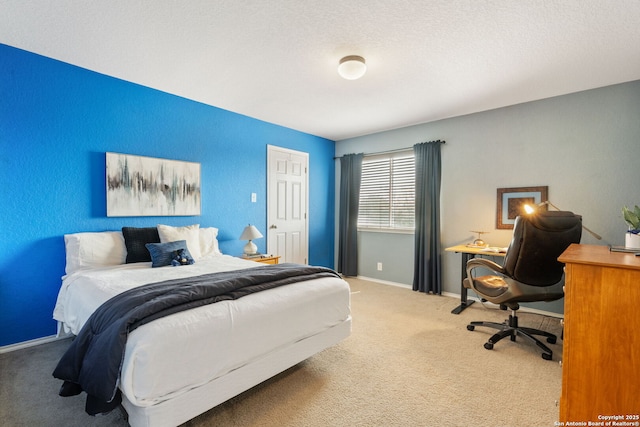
(172, 355)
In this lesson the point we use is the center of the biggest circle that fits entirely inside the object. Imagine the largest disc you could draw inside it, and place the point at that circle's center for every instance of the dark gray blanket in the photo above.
(93, 361)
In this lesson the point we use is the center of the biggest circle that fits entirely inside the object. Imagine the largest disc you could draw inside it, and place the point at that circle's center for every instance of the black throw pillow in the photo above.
(135, 240)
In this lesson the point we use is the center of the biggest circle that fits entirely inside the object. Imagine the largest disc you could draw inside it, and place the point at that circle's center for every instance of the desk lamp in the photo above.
(531, 209)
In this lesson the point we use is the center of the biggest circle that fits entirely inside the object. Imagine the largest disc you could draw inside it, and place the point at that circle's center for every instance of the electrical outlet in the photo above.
(254, 197)
(379, 266)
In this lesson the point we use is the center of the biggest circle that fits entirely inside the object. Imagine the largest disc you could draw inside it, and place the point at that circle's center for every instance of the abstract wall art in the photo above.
(147, 186)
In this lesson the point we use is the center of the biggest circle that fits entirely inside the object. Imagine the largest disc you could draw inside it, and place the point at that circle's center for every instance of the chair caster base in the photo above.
(510, 329)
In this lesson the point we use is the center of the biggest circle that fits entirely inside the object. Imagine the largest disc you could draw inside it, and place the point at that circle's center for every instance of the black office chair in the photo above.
(531, 272)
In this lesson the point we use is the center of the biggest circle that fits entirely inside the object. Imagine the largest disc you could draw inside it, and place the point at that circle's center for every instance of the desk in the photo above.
(601, 346)
(468, 252)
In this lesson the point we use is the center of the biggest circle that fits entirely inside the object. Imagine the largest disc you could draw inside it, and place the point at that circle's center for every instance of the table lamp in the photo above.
(250, 233)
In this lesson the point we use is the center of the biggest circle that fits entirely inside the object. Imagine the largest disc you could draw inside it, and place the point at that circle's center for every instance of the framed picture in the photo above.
(511, 201)
(147, 186)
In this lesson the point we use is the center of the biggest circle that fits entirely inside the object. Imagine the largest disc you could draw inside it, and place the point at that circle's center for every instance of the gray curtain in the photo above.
(350, 178)
(427, 270)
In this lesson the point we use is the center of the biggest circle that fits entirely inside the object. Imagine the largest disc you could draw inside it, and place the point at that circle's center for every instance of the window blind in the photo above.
(387, 192)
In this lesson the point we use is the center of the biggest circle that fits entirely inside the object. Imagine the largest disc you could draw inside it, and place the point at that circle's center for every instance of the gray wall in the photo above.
(585, 146)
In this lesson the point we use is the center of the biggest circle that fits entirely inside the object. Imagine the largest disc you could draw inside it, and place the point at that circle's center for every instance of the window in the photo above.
(387, 192)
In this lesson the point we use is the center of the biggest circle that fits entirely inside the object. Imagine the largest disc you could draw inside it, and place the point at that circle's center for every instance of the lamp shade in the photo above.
(250, 232)
(352, 67)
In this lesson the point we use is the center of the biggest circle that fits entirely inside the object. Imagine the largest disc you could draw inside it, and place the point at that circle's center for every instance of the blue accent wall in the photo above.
(56, 123)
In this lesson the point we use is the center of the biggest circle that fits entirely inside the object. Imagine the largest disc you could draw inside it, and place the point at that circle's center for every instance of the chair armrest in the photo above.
(483, 262)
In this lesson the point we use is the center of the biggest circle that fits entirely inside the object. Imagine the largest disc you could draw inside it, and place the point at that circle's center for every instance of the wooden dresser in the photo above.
(601, 348)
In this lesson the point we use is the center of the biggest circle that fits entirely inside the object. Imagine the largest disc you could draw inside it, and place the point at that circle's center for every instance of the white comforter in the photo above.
(171, 355)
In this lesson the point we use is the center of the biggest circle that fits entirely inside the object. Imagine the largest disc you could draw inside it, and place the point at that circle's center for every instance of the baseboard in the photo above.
(31, 343)
(384, 282)
(457, 296)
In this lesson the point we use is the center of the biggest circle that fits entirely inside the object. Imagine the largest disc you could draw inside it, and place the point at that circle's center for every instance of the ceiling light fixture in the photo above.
(352, 67)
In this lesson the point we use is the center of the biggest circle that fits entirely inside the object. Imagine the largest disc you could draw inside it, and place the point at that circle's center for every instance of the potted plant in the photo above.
(632, 218)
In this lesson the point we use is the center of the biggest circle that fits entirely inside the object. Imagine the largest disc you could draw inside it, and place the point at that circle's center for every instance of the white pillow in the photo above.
(190, 233)
(99, 249)
(209, 241)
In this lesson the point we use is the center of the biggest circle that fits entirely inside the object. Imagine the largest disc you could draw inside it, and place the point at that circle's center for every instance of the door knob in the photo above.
(273, 226)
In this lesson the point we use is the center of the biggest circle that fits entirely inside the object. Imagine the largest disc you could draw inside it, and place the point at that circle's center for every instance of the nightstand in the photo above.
(264, 259)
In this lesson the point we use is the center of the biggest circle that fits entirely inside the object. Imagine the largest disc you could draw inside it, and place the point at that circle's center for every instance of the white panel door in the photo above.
(287, 201)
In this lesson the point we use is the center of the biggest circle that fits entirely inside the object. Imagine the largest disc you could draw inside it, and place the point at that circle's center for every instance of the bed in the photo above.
(179, 366)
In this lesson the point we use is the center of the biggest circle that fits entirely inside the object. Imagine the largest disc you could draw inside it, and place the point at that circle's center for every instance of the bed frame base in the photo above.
(199, 400)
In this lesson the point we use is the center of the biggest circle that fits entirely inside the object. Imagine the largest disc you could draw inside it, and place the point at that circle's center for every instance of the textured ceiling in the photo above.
(276, 60)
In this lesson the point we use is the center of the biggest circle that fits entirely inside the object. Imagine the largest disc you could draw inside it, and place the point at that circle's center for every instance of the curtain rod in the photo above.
(390, 151)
